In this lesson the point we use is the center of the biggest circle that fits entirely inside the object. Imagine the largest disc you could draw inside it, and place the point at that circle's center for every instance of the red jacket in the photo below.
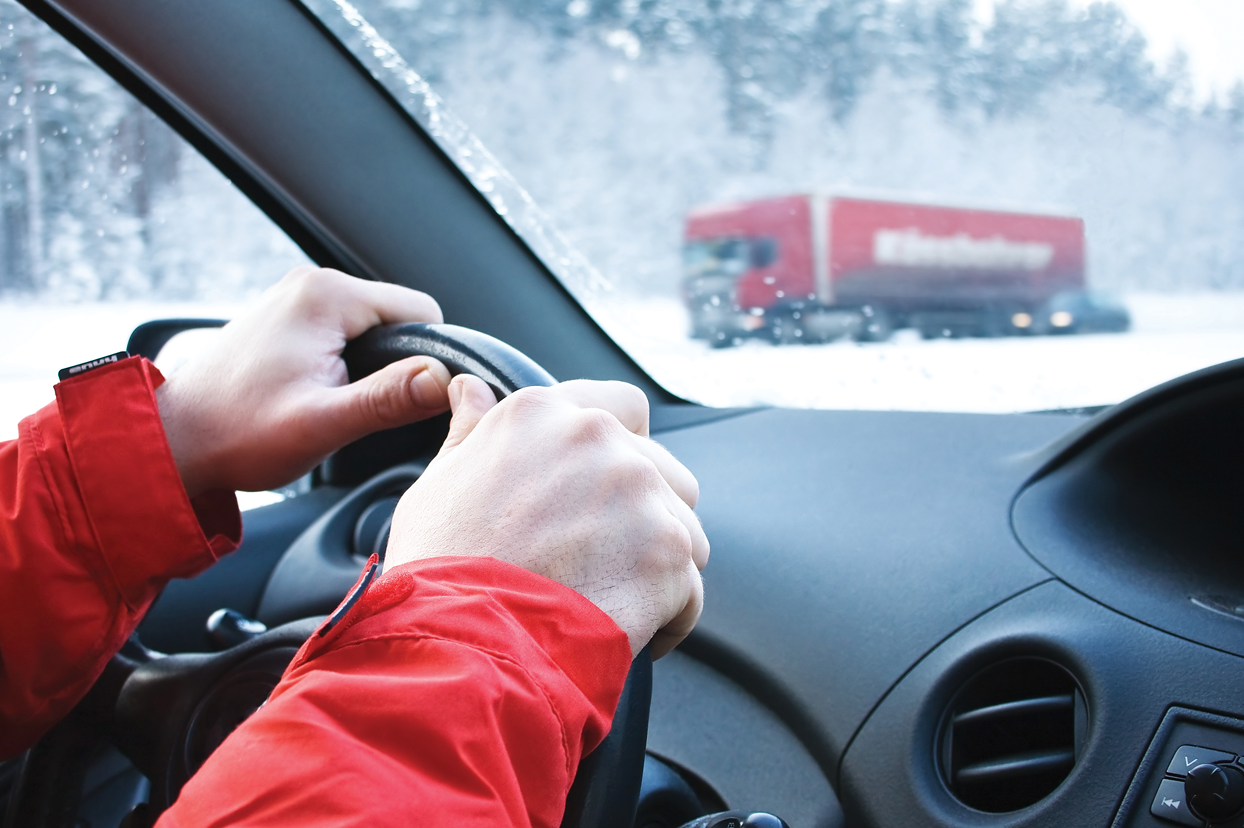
(459, 690)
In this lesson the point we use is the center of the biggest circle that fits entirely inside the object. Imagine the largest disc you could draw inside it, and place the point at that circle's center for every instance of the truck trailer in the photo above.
(816, 267)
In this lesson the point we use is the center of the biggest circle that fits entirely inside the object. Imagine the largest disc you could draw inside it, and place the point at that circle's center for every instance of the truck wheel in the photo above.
(702, 327)
(878, 324)
(992, 324)
(997, 322)
(785, 329)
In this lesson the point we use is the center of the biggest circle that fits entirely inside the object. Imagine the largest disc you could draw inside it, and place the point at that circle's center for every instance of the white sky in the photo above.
(1209, 31)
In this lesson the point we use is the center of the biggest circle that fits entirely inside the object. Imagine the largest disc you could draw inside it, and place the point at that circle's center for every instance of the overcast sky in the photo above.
(1211, 32)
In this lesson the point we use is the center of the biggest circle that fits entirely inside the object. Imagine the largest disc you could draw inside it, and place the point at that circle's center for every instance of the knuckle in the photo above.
(693, 490)
(431, 308)
(638, 398)
(686, 483)
(315, 285)
(529, 396)
(297, 274)
(382, 401)
(638, 475)
(593, 425)
(524, 403)
(675, 539)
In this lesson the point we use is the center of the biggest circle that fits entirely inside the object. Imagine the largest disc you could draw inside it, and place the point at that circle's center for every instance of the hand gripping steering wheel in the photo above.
(605, 792)
(168, 713)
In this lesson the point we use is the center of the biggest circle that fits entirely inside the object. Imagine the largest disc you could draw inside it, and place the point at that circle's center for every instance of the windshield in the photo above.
(885, 204)
(720, 256)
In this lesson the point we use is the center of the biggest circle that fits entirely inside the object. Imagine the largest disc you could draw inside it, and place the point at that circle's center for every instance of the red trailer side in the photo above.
(912, 257)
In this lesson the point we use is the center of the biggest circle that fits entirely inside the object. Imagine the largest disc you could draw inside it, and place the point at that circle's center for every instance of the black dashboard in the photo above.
(939, 619)
(873, 573)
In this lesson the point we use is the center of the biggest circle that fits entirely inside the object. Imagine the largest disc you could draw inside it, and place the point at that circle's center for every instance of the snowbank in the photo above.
(1172, 335)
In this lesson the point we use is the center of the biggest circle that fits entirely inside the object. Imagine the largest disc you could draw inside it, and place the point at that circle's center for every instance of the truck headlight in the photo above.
(1061, 319)
(753, 321)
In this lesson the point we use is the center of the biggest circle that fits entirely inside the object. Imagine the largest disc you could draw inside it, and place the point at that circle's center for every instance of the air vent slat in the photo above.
(1024, 765)
(1024, 707)
(1012, 735)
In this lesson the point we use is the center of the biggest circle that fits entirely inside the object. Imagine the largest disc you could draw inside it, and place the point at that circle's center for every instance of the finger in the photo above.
(405, 391)
(695, 531)
(679, 477)
(621, 399)
(293, 274)
(396, 303)
(381, 303)
(364, 304)
(470, 399)
(672, 634)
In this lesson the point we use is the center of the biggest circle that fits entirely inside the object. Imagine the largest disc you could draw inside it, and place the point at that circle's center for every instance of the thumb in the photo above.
(406, 391)
(470, 399)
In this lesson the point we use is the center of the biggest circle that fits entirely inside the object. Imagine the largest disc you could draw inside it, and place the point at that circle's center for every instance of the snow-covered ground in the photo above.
(37, 340)
(1172, 335)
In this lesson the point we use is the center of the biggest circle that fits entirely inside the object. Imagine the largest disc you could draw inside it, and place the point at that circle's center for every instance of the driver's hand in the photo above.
(564, 482)
(270, 399)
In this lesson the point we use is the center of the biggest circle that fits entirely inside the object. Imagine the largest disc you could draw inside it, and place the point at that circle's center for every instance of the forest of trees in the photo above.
(619, 115)
(776, 50)
(99, 199)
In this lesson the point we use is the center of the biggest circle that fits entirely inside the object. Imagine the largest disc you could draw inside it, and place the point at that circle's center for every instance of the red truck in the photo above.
(811, 268)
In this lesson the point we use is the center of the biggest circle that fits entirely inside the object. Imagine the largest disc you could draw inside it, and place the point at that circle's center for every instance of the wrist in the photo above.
(182, 442)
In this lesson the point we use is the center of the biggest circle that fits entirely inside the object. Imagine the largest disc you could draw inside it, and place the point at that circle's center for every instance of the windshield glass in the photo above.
(887, 204)
(108, 220)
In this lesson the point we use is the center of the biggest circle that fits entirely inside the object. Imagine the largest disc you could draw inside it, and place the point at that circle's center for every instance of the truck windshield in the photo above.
(937, 205)
(716, 257)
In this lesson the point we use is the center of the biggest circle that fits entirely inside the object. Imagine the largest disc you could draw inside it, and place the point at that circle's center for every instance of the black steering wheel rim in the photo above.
(604, 794)
(461, 350)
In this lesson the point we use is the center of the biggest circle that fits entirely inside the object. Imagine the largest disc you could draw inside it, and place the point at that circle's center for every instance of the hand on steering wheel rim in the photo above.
(605, 792)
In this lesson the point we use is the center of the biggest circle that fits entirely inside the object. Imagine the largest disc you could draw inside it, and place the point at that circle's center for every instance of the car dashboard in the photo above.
(938, 619)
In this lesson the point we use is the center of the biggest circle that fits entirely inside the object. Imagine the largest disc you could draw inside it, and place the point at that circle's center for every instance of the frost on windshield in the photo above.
(493, 181)
(108, 219)
(101, 201)
(629, 120)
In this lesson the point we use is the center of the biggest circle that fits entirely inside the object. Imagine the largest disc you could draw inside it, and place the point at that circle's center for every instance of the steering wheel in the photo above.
(168, 713)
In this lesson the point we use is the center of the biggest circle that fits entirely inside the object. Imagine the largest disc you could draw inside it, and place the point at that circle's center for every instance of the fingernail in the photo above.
(455, 395)
(426, 390)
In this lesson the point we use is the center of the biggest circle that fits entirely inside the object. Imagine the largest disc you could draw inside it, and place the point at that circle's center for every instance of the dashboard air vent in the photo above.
(1012, 735)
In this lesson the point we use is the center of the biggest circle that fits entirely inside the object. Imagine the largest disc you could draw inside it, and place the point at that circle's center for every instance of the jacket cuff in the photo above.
(146, 527)
(568, 644)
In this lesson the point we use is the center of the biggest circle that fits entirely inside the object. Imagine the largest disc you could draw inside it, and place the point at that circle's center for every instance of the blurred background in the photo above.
(621, 116)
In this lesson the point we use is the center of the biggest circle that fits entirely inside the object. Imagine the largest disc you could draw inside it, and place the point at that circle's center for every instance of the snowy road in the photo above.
(36, 341)
(1172, 335)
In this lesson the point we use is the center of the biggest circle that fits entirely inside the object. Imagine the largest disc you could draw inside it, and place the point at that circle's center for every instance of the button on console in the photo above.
(1171, 804)
(1189, 756)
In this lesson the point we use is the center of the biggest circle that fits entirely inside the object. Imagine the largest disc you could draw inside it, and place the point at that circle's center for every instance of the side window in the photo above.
(107, 219)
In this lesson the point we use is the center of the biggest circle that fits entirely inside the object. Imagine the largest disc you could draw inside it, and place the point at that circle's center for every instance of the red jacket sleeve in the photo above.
(455, 691)
(94, 520)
